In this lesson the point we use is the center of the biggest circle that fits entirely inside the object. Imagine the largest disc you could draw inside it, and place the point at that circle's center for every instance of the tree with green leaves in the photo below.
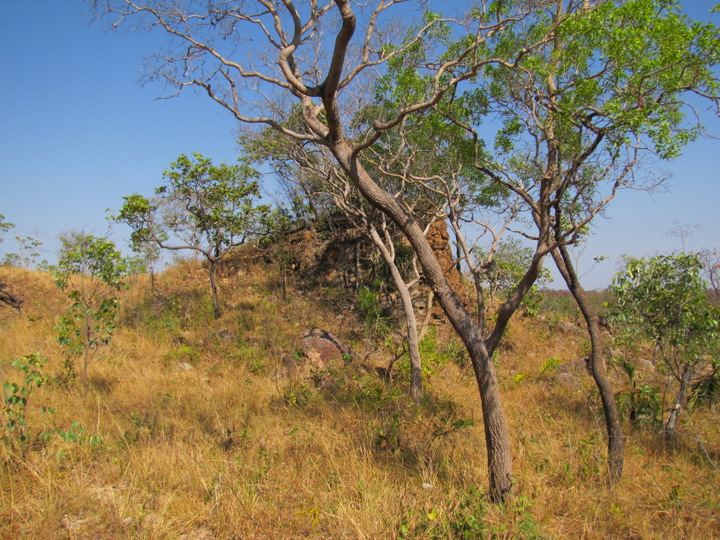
(664, 300)
(202, 207)
(91, 271)
(434, 58)
(614, 85)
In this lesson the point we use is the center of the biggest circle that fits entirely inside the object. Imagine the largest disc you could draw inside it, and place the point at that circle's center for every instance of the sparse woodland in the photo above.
(374, 353)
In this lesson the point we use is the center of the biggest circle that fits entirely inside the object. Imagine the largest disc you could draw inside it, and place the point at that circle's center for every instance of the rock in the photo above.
(645, 365)
(184, 366)
(227, 335)
(321, 348)
(74, 524)
(575, 366)
(568, 380)
(566, 327)
(201, 533)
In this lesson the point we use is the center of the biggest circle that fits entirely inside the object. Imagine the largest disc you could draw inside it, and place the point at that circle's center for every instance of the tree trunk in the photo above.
(497, 439)
(616, 440)
(410, 319)
(213, 289)
(669, 431)
(152, 281)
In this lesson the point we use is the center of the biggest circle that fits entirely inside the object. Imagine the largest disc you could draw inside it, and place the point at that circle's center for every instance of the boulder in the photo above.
(321, 348)
(568, 380)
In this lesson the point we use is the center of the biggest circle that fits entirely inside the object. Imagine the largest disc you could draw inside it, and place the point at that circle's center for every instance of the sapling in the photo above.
(91, 271)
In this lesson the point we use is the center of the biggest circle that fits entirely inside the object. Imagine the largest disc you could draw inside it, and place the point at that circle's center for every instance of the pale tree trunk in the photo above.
(616, 440)
(669, 430)
(428, 315)
(497, 438)
(212, 267)
(410, 319)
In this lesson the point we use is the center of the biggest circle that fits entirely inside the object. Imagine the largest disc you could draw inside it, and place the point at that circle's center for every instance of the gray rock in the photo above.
(184, 366)
(645, 365)
(322, 348)
(568, 380)
(566, 327)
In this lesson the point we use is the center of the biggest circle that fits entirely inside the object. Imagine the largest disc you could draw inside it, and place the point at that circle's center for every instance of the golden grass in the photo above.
(156, 450)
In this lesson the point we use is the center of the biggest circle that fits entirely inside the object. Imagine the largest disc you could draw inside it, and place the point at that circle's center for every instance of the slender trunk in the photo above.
(428, 315)
(213, 289)
(86, 349)
(669, 431)
(152, 281)
(284, 284)
(497, 438)
(458, 253)
(410, 319)
(357, 266)
(616, 440)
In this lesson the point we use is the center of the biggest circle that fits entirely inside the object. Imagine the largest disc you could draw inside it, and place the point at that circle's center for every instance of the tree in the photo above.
(206, 208)
(91, 271)
(664, 300)
(432, 59)
(578, 116)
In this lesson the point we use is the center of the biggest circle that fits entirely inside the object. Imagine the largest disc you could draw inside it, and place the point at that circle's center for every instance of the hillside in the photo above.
(196, 428)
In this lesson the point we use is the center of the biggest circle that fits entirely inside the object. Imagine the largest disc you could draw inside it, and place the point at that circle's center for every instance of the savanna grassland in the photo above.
(194, 428)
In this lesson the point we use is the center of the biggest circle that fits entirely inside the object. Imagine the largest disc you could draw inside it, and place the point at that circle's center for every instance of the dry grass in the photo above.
(232, 448)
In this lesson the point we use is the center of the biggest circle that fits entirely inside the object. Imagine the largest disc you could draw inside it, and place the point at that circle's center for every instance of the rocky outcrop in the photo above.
(439, 240)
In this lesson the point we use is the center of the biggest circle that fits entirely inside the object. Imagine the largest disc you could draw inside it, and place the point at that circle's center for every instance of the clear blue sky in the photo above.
(77, 132)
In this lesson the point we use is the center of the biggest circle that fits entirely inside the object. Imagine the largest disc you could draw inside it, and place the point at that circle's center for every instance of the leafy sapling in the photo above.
(16, 396)
(664, 300)
(91, 271)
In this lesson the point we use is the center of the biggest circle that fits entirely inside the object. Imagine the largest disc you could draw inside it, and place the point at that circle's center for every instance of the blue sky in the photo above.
(78, 131)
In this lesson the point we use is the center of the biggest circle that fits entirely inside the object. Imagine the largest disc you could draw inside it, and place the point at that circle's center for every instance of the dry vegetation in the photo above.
(192, 429)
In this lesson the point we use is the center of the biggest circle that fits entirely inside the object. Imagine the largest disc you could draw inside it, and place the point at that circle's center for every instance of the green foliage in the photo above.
(297, 394)
(371, 311)
(641, 403)
(91, 271)
(201, 207)
(434, 354)
(5, 226)
(550, 366)
(16, 396)
(182, 353)
(664, 300)
(206, 207)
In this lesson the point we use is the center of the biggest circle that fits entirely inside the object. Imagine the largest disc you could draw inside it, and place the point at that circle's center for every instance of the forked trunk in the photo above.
(616, 440)
(496, 431)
